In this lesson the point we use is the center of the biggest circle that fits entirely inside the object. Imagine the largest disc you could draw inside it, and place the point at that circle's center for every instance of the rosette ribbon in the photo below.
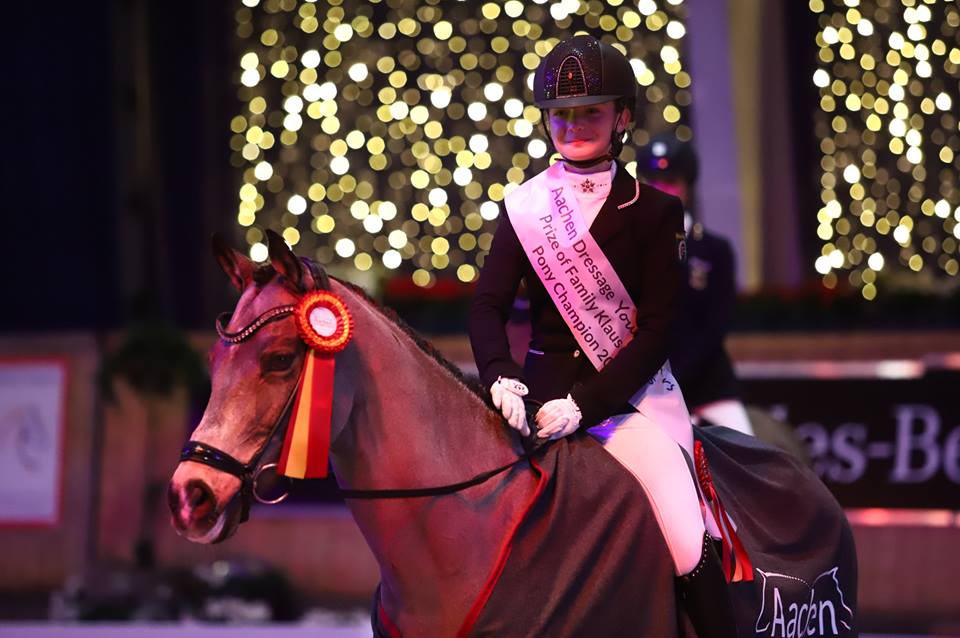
(325, 326)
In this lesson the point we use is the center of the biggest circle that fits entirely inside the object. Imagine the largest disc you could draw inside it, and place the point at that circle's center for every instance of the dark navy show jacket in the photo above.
(644, 243)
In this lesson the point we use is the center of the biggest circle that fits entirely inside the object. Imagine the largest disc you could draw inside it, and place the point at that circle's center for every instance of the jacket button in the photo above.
(576, 353)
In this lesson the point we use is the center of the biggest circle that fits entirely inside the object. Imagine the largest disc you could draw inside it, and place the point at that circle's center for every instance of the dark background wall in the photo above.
(115, 167)
(58, 169)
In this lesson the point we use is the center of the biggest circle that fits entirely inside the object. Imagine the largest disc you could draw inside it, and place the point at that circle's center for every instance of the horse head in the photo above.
(255, 368)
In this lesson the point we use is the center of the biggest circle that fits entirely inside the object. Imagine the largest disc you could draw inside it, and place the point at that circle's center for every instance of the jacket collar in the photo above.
(624, 191)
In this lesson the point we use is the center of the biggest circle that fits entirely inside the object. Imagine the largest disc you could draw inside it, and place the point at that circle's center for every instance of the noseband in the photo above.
(248, 473)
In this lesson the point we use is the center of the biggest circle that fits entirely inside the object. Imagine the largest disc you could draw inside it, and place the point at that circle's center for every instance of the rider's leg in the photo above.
(661, 402)
(657, 462)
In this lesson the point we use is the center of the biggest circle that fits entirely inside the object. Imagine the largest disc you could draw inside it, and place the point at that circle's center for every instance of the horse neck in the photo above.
(420, 423)
(415, 425)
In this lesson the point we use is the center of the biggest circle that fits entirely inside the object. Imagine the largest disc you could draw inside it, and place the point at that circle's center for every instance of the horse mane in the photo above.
(265, 273)
(471, 383)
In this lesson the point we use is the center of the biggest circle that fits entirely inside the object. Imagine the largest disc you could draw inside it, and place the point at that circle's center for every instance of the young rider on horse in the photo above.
(602, 256)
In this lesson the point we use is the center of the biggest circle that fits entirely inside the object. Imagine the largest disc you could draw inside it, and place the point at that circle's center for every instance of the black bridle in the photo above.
(250, 473)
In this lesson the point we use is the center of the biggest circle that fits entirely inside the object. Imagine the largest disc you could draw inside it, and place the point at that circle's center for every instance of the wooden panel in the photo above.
(42, 557)
(908, 576)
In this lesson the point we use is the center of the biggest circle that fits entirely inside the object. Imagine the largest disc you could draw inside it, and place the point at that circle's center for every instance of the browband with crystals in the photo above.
(245, 333)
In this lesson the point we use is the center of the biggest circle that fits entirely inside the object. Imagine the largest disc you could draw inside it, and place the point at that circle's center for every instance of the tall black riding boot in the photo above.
(704, 596)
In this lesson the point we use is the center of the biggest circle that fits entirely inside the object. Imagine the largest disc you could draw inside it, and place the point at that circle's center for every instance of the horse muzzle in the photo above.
(196, 513)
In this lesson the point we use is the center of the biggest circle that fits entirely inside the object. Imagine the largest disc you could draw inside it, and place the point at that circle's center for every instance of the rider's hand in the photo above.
(508, 396)
(558, 418)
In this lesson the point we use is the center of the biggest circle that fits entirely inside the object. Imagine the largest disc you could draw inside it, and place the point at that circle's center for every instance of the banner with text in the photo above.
(875, 442)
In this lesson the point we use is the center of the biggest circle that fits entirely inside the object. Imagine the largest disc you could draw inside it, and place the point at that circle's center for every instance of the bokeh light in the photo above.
(383, 135)
(888, 73)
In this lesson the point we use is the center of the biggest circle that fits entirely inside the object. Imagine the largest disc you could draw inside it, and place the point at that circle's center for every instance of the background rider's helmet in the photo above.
(667, 157)
(581, 71)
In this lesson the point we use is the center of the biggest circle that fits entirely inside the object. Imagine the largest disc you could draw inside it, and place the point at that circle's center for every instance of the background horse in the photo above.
(562, 544)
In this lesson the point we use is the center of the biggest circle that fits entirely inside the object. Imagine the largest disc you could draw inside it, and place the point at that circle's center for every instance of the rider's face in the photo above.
(583, 132)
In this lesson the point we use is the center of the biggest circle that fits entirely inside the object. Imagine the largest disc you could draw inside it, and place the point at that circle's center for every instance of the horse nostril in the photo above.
(199, 500)
(196, 496)
(191, 505)
(173, 503)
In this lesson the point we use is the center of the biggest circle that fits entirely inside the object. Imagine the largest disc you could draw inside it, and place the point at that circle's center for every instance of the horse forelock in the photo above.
(264, 275)
(249, 304)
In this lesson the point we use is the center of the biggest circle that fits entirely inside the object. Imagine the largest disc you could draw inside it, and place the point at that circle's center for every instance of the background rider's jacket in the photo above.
(643, 242)
(698, 357)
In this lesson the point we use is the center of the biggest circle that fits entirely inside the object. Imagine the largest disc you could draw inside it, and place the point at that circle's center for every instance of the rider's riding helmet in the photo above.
(581, 71)
(666, 156)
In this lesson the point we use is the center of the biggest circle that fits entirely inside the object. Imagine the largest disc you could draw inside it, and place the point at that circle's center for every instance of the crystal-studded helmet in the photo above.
(664, 156)
(581, 71)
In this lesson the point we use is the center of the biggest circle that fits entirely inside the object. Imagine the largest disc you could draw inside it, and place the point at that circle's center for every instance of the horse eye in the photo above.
(277, 362)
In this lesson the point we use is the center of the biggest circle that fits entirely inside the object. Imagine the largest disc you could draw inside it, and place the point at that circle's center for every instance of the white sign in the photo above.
(32, 403)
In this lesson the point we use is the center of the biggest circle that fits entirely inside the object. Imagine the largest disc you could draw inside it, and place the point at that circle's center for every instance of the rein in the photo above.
(418, 492)
(250, 473)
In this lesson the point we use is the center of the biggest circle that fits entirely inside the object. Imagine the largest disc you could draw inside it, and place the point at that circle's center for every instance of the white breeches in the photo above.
(649, 444)
(729, 413)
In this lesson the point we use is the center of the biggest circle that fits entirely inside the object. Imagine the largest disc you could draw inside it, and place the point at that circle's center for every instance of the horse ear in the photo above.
(239, 267)
(287, 264)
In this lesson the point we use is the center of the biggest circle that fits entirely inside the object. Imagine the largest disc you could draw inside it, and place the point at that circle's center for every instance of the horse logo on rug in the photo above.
(793, 608)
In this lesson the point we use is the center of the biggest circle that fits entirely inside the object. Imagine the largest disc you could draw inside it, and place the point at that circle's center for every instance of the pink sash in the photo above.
(587, 291)
(577, 275)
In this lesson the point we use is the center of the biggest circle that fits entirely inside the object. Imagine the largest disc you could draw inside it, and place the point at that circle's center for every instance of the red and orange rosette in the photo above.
(325, 325)
(323, 321)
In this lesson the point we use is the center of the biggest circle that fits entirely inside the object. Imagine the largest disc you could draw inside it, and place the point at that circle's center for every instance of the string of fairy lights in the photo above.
(888, 73)
(382, 135)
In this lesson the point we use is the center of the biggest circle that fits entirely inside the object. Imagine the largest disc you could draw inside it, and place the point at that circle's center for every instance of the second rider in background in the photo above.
(698, 354)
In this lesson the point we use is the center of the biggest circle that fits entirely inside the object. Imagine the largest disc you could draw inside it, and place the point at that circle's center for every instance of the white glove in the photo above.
(508, 396)
(558, 418)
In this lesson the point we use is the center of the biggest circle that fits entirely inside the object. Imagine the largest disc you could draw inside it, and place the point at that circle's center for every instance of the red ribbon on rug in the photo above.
(325, 325)
(736, 563)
